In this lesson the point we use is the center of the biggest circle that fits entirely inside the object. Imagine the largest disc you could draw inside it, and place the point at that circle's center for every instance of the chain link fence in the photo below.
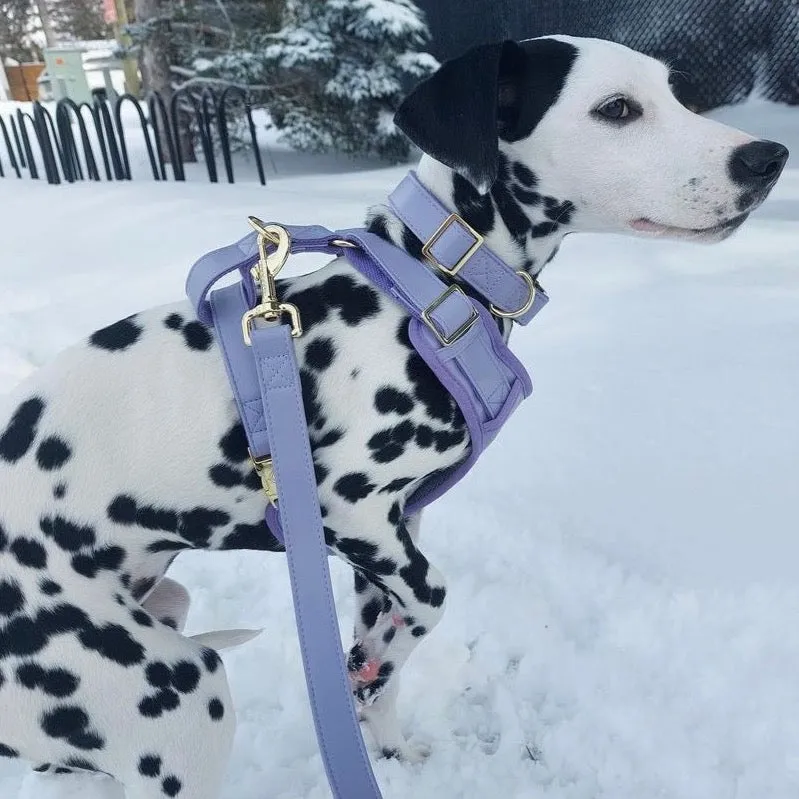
(721, 50)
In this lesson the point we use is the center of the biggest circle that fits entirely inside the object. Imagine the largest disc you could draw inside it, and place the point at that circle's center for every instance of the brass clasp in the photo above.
(264, 272)
(265, 470)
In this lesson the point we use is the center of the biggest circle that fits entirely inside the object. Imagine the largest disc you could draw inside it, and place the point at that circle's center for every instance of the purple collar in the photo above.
(457, 250)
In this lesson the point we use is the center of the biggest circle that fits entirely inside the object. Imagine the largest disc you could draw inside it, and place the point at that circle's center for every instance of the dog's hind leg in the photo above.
(146, 706)
(169, 603)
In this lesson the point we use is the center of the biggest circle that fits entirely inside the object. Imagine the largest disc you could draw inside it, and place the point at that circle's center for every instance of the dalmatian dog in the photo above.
(127, 449)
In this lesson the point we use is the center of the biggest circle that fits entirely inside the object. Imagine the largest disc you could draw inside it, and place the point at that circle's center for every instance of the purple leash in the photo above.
(455, 335)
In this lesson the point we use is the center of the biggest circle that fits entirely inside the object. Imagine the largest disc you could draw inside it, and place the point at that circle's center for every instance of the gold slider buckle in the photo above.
(462, 330)
(527, 305)
(264, 272)
(428, 245)
(265, 470)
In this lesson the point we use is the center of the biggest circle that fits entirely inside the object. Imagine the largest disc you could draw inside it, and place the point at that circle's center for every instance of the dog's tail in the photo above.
(225, 639)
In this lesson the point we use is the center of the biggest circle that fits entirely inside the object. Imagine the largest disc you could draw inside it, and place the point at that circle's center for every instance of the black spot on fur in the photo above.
(387, 445)
(428, 390)
(174, 321)
(388, 635)
(142, 618)
(142, 587)
(379, 226)
(150, 765)
(71, 723)
(320, 353)
(155, 706)
(396, 485)
(252, 536)
(171, 786)
(391, 400)
(60, 490)
(475, 208)
(355, 302)
(225, 476)
(414, 573)
(53, 682)
(53, 453)
(158, 674)
(234, 444)
(395, 514)
(197, 336)
(364, 556)
(7, 751)
(353, 487)
(117, 337)
(418, 632)
(361, 583)
(29, 553)
(185, 676)
(106, 558)
(68, 535)
(357, 657)
(328, 439)
(370, 612)
(114, 643)
(411, 243)
(11, 598)
(524, 175)
(211, 660)
(50, 587)
(17, 438)
(320, 471)
(216, 710)
(165, 545)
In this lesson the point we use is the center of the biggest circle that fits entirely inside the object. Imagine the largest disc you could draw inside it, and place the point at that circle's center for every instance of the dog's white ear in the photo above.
(225, 639)
(492, 92)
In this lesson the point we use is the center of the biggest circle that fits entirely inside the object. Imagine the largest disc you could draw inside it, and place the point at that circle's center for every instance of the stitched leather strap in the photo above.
(343, 752)
(484, 270)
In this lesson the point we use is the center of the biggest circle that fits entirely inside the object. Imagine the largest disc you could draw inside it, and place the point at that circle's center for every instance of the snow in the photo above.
(622, 563)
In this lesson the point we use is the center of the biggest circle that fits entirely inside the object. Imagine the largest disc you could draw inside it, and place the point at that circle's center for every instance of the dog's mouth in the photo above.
(714, 233)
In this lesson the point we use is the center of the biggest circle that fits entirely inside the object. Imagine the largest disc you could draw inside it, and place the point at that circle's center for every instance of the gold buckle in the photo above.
(462, 330)
(265, 469)
(527, 305)
(427, 246)
(264, 272)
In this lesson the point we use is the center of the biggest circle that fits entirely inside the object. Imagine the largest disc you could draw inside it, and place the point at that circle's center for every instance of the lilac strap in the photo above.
(484, 270)
(341, 744)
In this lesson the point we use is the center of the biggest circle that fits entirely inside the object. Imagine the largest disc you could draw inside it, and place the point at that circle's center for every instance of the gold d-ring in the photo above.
(527, 305)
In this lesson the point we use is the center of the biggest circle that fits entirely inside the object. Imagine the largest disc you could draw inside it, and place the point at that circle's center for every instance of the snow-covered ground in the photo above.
(623, 564)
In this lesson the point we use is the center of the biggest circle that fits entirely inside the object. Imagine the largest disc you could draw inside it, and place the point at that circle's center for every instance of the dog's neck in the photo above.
(521, 225)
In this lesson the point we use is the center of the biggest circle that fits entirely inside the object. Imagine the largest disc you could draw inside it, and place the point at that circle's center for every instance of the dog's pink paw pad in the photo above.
(398, 620)
(369, 672)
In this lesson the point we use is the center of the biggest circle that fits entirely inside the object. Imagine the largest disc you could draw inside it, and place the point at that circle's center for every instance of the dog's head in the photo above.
(598, 126)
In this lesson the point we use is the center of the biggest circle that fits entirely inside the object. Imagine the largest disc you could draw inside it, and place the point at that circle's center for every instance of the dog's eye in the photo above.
(617, 109)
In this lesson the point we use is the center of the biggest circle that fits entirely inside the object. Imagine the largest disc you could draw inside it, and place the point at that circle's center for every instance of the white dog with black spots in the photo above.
(128, 449)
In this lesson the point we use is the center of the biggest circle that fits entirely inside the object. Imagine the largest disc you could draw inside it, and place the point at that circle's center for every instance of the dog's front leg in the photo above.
(400, 598)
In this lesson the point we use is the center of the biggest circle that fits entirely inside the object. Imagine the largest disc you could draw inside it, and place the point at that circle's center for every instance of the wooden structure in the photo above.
(22, 81)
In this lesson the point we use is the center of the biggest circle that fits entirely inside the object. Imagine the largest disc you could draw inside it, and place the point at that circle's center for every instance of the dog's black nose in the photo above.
(758, 163)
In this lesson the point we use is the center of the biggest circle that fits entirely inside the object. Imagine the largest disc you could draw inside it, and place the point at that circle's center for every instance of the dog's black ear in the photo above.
(453, 115)
(495, 91)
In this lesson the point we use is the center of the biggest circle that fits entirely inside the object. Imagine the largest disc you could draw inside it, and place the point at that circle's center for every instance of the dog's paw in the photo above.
(368, 678)
(407, 753)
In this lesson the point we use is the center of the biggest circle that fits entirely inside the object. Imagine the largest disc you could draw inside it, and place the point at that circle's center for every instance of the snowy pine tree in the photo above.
(339, 69)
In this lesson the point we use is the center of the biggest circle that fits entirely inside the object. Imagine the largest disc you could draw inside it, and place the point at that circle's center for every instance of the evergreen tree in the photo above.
(336, 72)
(17, 23)
(80, 20)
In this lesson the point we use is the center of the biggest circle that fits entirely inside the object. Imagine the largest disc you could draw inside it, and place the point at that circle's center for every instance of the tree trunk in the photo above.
(156, 73)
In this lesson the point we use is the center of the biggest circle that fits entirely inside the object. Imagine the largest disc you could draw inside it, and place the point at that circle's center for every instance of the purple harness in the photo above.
(456, 336)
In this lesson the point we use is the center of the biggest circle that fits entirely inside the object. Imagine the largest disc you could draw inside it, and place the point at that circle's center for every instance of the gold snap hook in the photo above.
(270, 309)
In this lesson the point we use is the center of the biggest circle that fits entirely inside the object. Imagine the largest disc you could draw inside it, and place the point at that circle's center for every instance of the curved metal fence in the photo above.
(35, 143)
